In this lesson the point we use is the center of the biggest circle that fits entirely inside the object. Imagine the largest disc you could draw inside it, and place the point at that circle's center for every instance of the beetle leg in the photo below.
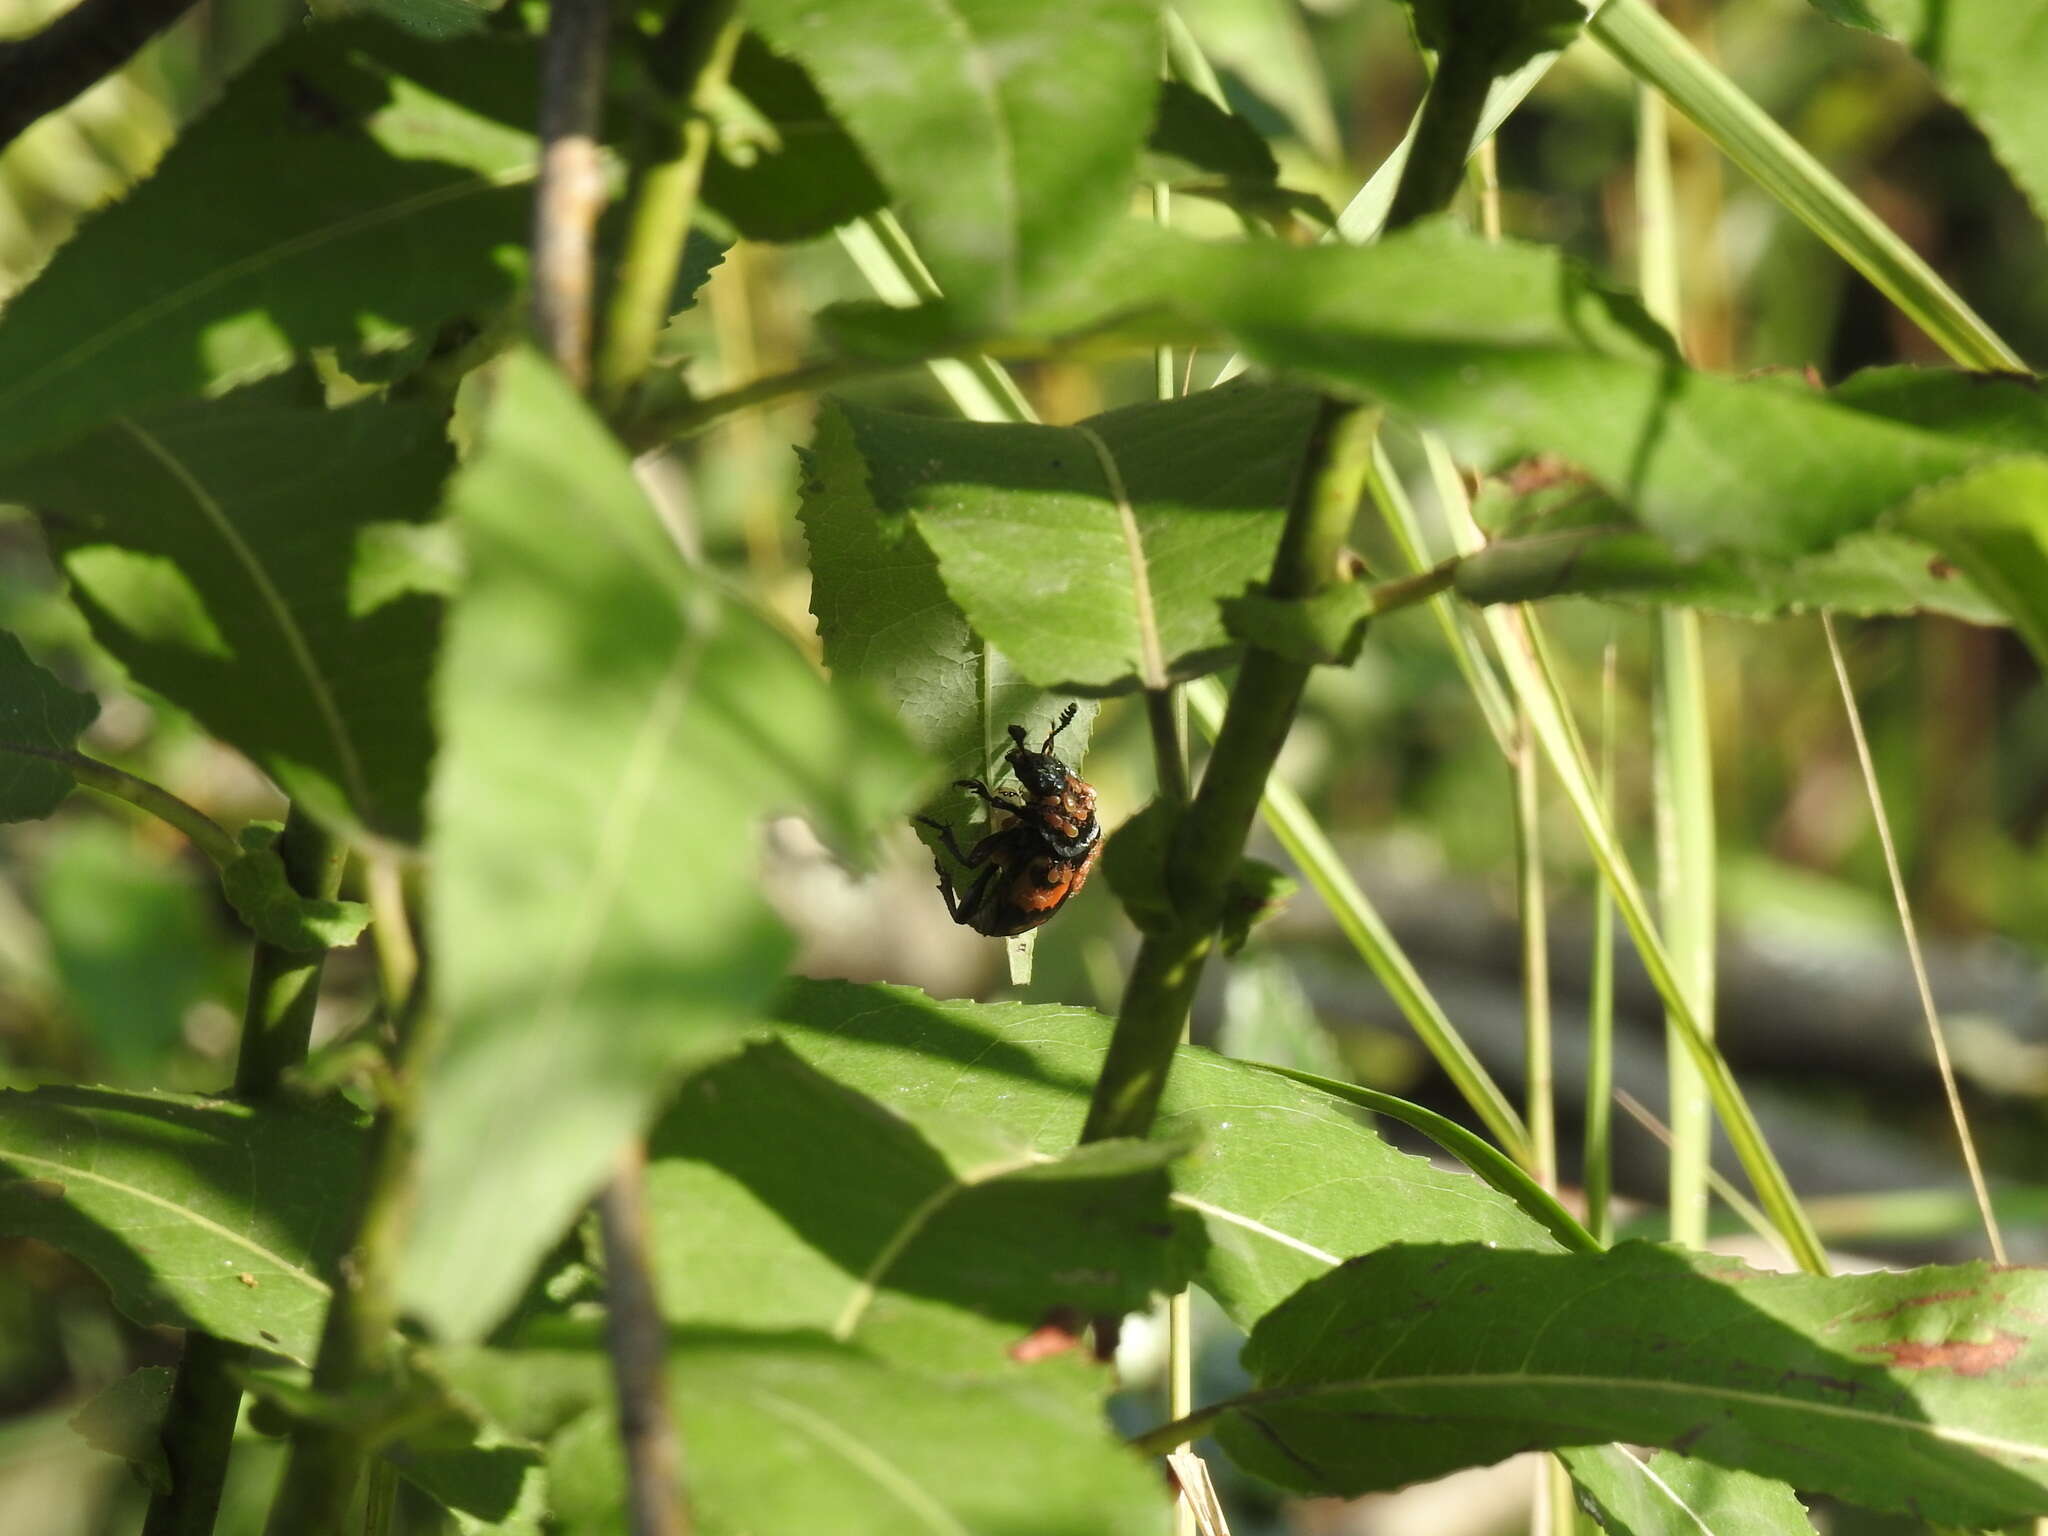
(946, 836)
(1066, 719)
(962, 908)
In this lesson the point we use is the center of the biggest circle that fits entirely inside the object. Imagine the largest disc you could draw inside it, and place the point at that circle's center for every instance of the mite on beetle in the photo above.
(1042, 847)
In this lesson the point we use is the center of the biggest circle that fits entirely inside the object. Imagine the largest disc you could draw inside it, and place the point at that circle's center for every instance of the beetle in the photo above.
(1041, 850)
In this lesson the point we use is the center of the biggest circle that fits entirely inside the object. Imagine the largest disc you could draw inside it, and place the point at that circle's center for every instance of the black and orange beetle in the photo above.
(1041, 850)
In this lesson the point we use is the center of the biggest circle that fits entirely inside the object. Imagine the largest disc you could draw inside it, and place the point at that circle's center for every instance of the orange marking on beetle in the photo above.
(1963, 1356)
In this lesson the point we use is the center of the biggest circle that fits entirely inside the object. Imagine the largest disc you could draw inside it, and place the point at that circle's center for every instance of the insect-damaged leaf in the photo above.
(359, 186)
(1091, 555)
(616, 726)
(39, 718)
(214, 546)
(959, 1240)
(195, 1212)
(1287, 1181)
(1908, 1391)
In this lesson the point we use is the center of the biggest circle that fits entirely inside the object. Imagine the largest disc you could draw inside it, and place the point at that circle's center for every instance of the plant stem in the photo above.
(1444, 133)
(199, 1428)
(564, 226)
(41, 72)
(1310, 849)
(1539, 1106)
(1935, 1033)
(1209, 840)
(694, 56)
(1598, 1177)
(206, 834)
(571, 188)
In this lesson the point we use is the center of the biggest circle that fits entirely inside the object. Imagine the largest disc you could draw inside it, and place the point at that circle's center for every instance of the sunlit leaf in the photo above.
(1907, 1391)
(213, 544)
(1288, 1182)
(1008, 133)
(1670, 1495)
(956, 1242)
(796, 1433)
(196, 1213)
(359, 186)
(616, 727)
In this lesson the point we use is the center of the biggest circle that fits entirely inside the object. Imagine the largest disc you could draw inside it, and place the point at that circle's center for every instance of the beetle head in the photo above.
(1040, 773)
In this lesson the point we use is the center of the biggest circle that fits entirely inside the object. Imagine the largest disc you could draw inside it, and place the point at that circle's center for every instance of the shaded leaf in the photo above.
(1009, 134)
(796, 1433)
(1134, 864)
(1287, 1181)
(1266, 44)
(126, 1420)
(1670, 1495)
(1089, 554)
(252, 507)
(1908, 1391)
(954, 1243)
(196, 1213)
(886, 621)
(39, 718)
(261, 893)
(616, 727)
(790, 172)
(1193, 128)
(360, 186)
(1993, 524)
(1990, 57)
(1326, 629)
(1256, 894)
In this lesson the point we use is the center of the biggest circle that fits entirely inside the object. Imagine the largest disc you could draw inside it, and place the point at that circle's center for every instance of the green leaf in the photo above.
(196, 1213)
(886, 622)
(958, 1240)
(797, 1433)
(1266, 45)
(787, 170)
(1134, 864)
(359, 187)
(1670, 1495)
(261, 893)
(1326, 629)
(1994, 525)
(1193, 128)
(615, 727)
(127, 1420)
(1095, 555)
(255, 508)
(1256, 894)
(1990, 57)
(1009, 134)
(1908, 1391)
(39, 718)
(1287, 1181)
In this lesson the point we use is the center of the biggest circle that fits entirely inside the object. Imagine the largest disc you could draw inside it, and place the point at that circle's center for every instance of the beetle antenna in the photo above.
(1017, 735)
(1066, 719)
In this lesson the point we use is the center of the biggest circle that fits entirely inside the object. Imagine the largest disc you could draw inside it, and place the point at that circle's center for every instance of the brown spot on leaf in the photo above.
(1940, 569)
(1966, 1357)
(1927, 1299)
(37, 1189)
(247, 1279)
(1540, 473)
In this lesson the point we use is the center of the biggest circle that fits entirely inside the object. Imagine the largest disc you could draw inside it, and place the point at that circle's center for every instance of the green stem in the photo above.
(1657, 52)
(1310, 849)
(1209, 840)
(199, 1429)
(655, 428)
(357, 1338)
(1599, 1156)
(694, 57)
(1444, 135)
(1539, 1100)
(207, 835)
